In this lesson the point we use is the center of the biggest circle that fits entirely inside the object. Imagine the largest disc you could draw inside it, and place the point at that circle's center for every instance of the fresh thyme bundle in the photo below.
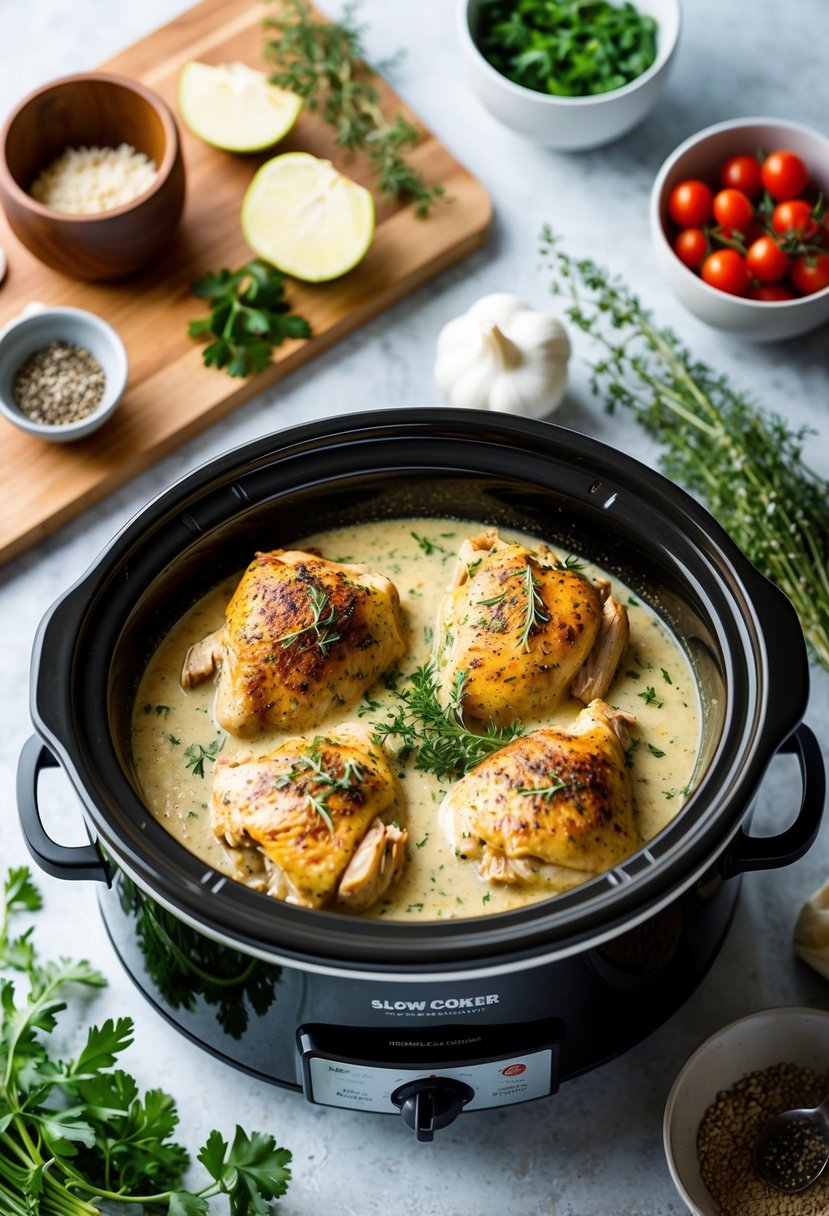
(744, 463)
(324, 63)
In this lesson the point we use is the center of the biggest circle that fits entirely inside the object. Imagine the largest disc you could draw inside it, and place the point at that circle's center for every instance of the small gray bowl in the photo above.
(29, 333)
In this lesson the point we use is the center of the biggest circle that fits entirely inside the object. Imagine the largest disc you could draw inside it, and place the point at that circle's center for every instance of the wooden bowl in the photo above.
(91, 109)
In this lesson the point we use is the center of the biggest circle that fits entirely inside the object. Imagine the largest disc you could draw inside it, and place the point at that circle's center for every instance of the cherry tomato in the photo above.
(795, 216)
(732, 209)
(810, 273)
(726, 270)
(772, 292)
(742, 173)
(766, 260)
(691, 247)
(784, 174)
(690, 203)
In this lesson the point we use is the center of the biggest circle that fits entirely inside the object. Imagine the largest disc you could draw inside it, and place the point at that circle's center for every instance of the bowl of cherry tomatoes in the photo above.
(739, 223)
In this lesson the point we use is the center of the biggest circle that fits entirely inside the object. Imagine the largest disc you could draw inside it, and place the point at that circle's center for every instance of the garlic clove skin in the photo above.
(503, 355)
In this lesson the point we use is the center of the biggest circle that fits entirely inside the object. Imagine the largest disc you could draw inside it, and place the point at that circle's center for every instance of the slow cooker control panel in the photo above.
(429, 1076)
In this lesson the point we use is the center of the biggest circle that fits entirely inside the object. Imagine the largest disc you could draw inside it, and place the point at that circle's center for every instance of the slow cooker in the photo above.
(431, 1019)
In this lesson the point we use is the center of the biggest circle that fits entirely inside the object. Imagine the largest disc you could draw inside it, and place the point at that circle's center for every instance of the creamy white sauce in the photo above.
(654, 682)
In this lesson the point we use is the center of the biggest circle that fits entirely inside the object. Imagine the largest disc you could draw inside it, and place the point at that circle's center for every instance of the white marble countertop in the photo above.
(595, 1149)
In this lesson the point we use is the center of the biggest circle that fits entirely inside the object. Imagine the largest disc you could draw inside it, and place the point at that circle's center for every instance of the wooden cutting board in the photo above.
(171, 395)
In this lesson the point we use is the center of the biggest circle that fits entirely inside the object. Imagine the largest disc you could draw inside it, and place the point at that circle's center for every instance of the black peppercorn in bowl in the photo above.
(741, 1076)
(63, 372)
(483, 1011)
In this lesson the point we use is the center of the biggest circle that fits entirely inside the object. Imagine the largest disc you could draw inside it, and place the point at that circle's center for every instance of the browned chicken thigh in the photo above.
(301, 635)
(321, 811)
(522, 630)
(551, 808)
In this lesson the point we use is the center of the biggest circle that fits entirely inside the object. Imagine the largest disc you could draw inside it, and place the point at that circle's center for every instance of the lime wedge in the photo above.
(306, 218)
(234, 107)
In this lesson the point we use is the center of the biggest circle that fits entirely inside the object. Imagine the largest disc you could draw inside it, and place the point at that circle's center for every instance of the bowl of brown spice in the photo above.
(733, 1084)
(62, 373)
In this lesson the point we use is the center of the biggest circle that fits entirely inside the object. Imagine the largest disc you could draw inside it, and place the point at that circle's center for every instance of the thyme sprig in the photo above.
(324, 63)
(324, 637)
(534, 611)
(436, 735)
(312, 763)
(745, 463)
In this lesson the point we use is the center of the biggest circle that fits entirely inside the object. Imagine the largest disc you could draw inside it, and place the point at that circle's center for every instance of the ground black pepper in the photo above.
(60, 383)
(727, 1135)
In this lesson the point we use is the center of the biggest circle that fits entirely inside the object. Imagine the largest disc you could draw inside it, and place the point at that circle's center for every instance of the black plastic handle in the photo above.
(771, 852)
(61, 861)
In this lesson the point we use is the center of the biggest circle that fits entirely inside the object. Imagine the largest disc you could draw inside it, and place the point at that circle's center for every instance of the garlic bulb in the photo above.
(503, 355)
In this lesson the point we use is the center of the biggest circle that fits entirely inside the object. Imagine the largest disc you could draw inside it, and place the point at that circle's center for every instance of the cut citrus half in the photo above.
(307, 218)
(234, 107)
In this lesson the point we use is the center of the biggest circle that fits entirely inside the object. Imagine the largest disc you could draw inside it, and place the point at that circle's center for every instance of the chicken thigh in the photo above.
(321, 811)
(551, 808)
(301, 635)
(521, 629)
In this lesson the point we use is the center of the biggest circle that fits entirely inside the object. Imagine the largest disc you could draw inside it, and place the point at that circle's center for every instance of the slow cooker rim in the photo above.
(271, 446)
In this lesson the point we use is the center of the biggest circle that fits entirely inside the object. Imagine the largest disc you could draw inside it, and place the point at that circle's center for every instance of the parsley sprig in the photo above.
(436, 736)
(745, 463)
(324, 63)
(197, 754)
(77, 1133)
(249, 316)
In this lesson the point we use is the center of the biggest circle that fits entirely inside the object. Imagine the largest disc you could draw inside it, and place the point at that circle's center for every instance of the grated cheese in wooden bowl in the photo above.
(85, 181)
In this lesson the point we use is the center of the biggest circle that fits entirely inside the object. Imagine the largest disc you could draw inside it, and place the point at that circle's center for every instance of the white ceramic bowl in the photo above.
(28, 333)
(701, 156)
(570, 123)
(755, 1042)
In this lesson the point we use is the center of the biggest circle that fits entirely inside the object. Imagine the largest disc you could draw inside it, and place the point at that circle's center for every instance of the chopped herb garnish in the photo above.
(430, 546)
(436, 735)
(486, 898)
(309, 770)
(650, 698)
(415, 908)
(534, 612)
(666, 677)
(174, 742)
(655, 751)
(324, 637)
(420, 843)
(493, 599)
(633, 675)
(159, 710)
(197, 755)
(544, 791)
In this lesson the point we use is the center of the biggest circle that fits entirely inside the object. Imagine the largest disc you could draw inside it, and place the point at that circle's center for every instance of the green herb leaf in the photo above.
(436, 735)
(249, 317)
(323, 62)
(745, 464)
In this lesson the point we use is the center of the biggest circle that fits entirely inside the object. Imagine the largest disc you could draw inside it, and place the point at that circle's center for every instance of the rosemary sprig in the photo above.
(438, 738)
(320, 776)
(745, 463)
(544, 791)
(534, 611)
(324, 63)
(319, 624)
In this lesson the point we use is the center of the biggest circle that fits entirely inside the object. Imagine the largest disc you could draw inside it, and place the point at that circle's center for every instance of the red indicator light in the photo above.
(513, 1070)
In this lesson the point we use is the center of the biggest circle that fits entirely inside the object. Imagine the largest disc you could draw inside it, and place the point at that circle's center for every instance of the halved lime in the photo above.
(307, 218)
(234, 107)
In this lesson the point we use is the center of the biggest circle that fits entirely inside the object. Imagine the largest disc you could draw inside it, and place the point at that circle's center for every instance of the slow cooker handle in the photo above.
(61, 861)
(772, 852)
